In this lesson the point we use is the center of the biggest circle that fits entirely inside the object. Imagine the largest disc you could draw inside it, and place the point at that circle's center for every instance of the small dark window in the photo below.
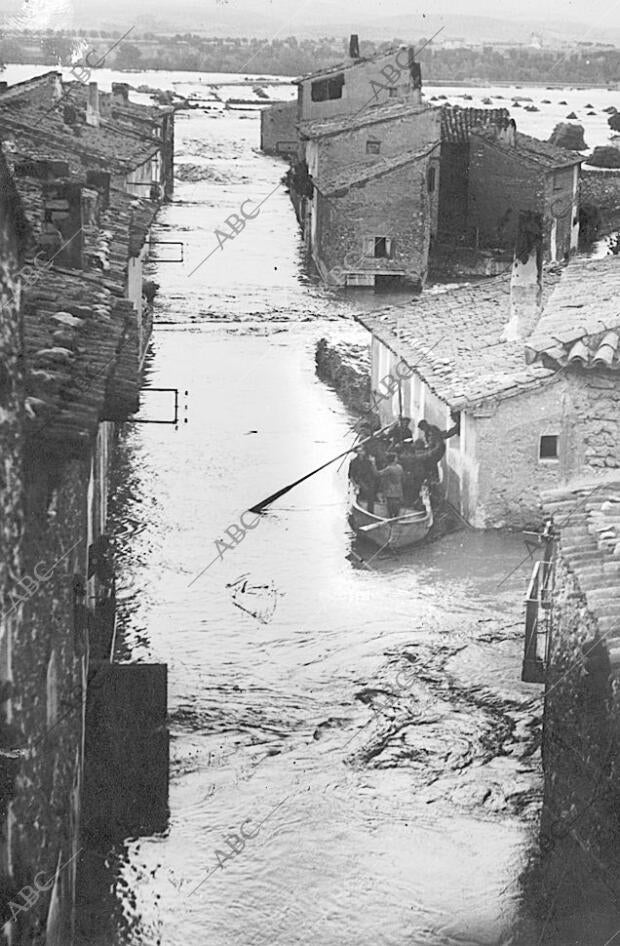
(431, 179)
(392, 92)
(373, 146)
(324, 89)
(548, 447)
(381, 248)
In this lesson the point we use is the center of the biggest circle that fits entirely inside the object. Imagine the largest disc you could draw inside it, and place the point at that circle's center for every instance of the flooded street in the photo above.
(353, 758)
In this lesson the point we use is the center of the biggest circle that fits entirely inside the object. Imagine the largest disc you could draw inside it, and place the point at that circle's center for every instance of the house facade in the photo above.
(457, 124)
(535, 411)
(370, 205)
(511, 173)
(359, 83)
(370, 225)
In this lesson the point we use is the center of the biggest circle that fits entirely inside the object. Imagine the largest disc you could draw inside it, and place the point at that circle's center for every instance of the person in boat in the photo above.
(377, 448)
(435, 437)
(371, 420)
(407, 459)
(417, 465)
(401, 432)
(431, 454)
(363, 475)
(391, 480)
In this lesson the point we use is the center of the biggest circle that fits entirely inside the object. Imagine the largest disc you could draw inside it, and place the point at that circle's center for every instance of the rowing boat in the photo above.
(410, 527)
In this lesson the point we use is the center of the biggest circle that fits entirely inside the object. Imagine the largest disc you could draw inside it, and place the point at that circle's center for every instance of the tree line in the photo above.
(290, 56)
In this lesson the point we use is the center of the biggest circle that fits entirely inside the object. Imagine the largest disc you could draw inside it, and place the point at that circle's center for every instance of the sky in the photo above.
(326, 17)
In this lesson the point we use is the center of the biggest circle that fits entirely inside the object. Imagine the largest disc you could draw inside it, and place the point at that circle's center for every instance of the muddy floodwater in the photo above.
(354, 760)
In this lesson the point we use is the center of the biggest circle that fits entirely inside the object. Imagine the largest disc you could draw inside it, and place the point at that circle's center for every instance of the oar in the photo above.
(375, 525)
(285, 489)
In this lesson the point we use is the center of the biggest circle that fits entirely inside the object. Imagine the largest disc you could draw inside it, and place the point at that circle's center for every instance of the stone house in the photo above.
(533, 372)
(359, 83)
(575, 605)
(510, 173)
(370, 206)
(86, 328)
(371, 223)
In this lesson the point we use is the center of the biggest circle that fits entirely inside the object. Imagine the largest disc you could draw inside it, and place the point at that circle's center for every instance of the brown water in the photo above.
(391, 808)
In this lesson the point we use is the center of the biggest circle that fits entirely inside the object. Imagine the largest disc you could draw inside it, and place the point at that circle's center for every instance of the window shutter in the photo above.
(368, 246)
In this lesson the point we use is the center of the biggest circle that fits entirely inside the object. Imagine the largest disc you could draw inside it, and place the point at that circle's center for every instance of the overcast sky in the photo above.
(607, 11)
(288, 17)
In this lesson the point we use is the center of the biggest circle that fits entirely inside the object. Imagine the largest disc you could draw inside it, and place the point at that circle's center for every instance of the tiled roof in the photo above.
(542, 153)
(587, 516)
(80, 331)
(73, 331)
(581, 321)
(341, 179)
(370, 115)
(452, 339)
(34, 124)
(457, 123)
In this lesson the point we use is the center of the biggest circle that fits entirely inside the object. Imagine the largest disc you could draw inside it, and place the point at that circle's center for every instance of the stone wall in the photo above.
(278, 129)
(582, 408)
(601, 190)
(49, 665)
(346, 368)
(501, 184)
(395, 205)
(11, 511)
(453, 223)
(395, 136)
(580, 836)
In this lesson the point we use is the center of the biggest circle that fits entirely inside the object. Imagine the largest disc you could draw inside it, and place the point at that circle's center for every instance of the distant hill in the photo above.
(277, 18)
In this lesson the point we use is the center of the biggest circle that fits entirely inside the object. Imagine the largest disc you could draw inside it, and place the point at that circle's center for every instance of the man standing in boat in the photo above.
(435, 451)
(363, 475)
(391, 479)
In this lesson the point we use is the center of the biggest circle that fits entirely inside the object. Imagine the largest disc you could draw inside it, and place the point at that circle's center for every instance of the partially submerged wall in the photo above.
(601, 190)
(346, 368)
(278, 129)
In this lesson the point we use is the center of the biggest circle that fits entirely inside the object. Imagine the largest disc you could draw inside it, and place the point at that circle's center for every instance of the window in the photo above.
(324, 89)
(430, 179)
(382, 248)
(377, 247)
(373, 146)
(392, 92)
(548, 449)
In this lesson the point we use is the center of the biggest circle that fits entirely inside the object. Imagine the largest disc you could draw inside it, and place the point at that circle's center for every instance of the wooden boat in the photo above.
(410, 527)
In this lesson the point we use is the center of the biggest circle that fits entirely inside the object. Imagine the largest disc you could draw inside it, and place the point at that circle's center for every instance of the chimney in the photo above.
(92, 106)
(354, 46)
(61, 233)
(526, 278)
(415, 70)
(120, 93)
